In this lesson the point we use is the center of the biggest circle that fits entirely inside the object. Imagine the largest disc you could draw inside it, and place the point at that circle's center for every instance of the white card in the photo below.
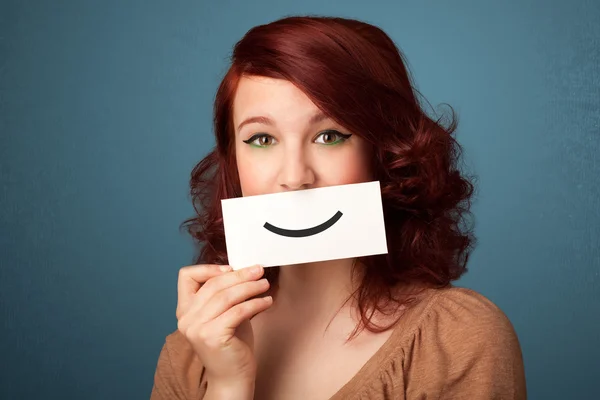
(303, 226)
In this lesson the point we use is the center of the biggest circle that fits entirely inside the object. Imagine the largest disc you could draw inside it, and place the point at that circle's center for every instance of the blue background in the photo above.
(105, 107)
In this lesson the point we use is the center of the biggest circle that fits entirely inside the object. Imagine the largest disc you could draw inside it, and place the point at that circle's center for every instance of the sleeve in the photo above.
(179, 373)
(465, 349)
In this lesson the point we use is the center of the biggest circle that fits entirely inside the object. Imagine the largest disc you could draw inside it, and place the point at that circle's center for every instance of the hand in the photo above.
(213, 313)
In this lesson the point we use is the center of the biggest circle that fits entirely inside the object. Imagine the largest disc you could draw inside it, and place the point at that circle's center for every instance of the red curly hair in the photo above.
(356, 75)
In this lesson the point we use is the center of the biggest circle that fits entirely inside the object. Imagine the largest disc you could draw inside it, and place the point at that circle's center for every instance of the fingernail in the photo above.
(225, 268)
(256, 269)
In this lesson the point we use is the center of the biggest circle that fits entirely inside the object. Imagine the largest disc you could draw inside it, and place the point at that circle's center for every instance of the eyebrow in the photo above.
(318, 117)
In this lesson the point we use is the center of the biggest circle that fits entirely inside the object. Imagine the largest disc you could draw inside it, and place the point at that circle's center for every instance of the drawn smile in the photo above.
(304, 232)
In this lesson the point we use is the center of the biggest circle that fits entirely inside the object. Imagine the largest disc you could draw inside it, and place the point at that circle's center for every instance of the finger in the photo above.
(190, 279)
(232, 318)
(225, 299)
(227, 280)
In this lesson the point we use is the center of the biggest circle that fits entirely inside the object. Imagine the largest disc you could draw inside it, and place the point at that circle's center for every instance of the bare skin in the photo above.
(292, 344)
(294, 347)
(300, 345)
(214, 308)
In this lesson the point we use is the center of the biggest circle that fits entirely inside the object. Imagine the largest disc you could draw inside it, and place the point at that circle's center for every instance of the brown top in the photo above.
(454, 344)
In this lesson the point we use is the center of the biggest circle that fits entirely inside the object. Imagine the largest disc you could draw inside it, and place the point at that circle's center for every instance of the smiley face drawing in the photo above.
(298, 233)
(303, 226)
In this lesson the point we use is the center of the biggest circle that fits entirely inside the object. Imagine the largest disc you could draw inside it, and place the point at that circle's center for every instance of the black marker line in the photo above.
(304, 232)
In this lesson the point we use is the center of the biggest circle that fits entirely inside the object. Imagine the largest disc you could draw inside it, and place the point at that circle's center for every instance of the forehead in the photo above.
(276, 98)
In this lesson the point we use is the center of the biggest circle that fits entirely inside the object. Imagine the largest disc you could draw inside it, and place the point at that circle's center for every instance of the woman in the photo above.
(311, 102)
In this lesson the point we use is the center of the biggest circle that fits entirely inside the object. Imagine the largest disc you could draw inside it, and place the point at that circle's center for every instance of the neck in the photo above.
(316, 290)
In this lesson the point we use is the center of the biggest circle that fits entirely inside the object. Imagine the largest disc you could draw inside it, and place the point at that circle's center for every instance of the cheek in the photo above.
(347, 167)
(357, 174)
(254, 173)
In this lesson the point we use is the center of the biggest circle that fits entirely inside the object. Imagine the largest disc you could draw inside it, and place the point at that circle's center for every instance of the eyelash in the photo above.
(343, 137)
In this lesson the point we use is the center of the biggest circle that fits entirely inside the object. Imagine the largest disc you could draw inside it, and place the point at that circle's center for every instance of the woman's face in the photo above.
(283, 142)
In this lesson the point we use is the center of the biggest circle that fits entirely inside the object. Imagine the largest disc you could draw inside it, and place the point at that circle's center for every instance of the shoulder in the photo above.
(464, 321)
(455, 310)
(179, 371)
(462, 344)
(178, 354)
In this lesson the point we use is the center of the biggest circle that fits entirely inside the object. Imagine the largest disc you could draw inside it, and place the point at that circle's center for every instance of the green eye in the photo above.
(261, 140)
(331, 137)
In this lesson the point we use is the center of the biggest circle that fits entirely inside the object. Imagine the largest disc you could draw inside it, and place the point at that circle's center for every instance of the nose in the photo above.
(296, 173)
